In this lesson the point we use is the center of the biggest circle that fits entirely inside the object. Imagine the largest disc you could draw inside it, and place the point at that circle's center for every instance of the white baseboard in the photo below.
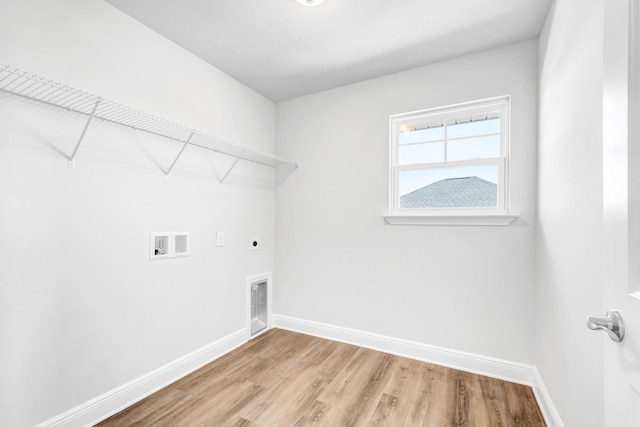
(492, 367)
(115, 400)
(497, 368)
(549, 411)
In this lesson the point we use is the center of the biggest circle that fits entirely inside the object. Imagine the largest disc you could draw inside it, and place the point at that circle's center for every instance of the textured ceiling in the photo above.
(282, 49)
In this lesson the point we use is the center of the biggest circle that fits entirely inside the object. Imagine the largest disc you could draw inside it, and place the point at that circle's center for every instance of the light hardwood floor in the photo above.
(283, 378)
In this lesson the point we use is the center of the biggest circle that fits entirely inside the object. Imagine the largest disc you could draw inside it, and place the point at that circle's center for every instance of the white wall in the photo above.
(464, 288)
(569, 232)
(82, 309)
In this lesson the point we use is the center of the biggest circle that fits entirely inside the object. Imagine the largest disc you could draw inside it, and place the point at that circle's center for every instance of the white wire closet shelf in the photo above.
(34, 87)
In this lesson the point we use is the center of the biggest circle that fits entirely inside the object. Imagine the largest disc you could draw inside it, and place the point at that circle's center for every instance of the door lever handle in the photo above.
(612, 323)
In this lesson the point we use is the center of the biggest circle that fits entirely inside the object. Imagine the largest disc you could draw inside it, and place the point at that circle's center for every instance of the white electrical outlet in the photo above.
(220, 238)
(254, 244)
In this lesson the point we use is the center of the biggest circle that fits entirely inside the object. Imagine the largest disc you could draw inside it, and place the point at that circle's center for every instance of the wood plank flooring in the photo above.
(286, 379)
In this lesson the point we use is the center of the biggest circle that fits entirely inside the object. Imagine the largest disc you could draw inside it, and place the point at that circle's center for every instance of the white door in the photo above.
(621, 185)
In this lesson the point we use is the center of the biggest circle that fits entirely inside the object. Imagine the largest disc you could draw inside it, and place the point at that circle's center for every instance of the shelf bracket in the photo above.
(179, 154)
(233, 165)
(84, 131)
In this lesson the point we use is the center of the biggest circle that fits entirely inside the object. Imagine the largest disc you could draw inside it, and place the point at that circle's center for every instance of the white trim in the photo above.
(489, 366)
(448, 110)
(548, 409)
(495, 219)
(495, 161)
(114, 401)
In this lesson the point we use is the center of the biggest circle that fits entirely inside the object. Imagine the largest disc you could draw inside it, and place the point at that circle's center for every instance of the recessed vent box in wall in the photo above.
(258, 307)
(259, 303)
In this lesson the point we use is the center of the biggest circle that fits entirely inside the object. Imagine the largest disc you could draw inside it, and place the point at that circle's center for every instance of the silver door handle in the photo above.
(612, 323)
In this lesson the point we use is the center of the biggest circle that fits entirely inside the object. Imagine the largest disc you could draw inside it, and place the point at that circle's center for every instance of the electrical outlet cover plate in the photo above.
(254, 244)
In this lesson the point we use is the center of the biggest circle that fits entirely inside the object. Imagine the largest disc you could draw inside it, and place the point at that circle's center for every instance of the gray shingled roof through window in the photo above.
(469, 191)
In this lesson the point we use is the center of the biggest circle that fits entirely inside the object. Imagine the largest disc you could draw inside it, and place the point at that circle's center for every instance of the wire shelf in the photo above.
(37, 88)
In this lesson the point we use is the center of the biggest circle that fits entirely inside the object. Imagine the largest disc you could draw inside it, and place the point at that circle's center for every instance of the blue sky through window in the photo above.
(465, 141)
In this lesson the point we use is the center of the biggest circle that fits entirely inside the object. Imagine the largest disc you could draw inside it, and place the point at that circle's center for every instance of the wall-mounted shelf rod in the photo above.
(36, 88)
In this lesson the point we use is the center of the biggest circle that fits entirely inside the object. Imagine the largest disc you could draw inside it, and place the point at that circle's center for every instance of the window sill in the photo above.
(497, 219)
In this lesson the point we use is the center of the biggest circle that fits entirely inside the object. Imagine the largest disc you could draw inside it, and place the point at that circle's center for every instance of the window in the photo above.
(451, 160)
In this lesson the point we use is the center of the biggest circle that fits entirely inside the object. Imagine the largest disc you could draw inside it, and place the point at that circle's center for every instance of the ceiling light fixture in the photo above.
(310, 2)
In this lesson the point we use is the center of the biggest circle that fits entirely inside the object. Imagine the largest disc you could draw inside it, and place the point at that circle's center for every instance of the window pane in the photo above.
(421, 153)
(421, 135)
(480, 127)
(462, 187)
(483, 147)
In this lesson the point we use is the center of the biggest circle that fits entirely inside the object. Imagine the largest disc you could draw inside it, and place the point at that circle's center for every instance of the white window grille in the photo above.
(451, 160)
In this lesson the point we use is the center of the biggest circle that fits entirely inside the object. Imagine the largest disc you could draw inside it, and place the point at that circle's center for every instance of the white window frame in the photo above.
(498, 215)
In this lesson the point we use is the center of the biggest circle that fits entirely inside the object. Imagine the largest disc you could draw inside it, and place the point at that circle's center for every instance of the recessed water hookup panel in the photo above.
(166, 244)
(159, 245)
